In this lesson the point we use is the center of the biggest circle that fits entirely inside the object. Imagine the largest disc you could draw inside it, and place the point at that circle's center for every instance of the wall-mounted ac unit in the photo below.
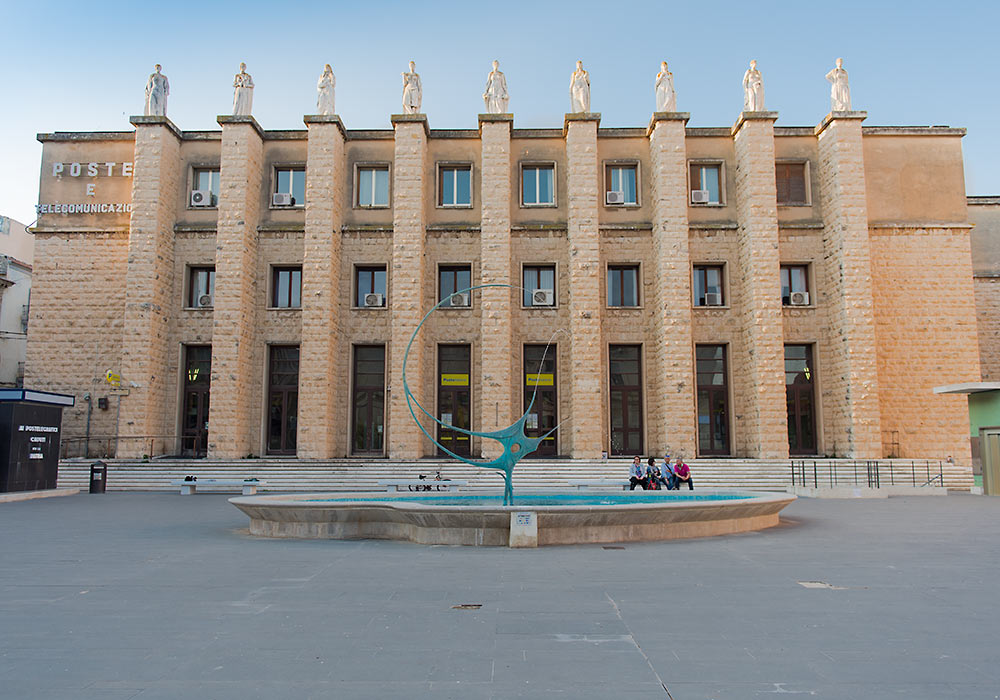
(282, 199)
(204, 300)
(798, 299)
(700, 197)
(201, 198)
(459, 300)
(543, 297)
(373, 300)
(614, 198)
(713, 299)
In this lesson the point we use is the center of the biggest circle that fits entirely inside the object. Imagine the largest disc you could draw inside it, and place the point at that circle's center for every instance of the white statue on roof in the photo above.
(753, 89)
(666, 98)
(495, 96)
(324, 91)
(579, 89)
(840, 91)
(242, 93)
(157, 89)
(413, 91)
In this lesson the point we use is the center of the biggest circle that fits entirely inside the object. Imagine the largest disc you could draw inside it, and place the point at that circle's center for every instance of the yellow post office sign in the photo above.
(539, 379)
(113, 378)
(454, 379)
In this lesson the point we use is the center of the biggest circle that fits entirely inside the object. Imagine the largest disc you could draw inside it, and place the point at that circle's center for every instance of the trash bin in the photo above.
(98, 477)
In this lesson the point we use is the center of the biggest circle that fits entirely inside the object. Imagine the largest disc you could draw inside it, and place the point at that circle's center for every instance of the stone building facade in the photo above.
(754, 291)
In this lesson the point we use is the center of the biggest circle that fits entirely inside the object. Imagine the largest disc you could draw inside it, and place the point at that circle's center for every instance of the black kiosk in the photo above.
(30, 422)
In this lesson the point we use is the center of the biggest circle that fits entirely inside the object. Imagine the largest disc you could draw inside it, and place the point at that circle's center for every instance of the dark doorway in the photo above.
(800, 378)
(454, 397)
(197, 385)
(540, 379)
(626, 400)
(713, 400)
(283, 399)
(368, 422)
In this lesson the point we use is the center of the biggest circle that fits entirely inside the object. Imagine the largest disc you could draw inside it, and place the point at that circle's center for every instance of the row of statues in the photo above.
(495, 97)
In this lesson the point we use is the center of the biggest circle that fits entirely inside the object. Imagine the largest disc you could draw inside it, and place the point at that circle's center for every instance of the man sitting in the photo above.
(668, 473)
(682, 474)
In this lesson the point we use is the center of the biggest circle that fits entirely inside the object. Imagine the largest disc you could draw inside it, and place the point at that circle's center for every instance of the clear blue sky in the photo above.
(72, 66)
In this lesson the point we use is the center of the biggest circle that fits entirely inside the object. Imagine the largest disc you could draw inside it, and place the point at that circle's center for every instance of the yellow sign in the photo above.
(454, 379)
(538, 379)
(112, 378)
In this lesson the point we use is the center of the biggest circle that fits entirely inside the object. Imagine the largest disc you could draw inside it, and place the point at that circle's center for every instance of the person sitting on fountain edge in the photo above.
(682, 474)
(635, 475)
(653, 476)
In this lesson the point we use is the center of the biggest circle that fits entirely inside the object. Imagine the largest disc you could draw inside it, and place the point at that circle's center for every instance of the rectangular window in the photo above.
(707, 284)
(713, 400)
(625, 378)
(373, 186)
(540, 383)
(621, 184)
(455, 186)
(197, 389)
(539, 282)
(623, 285)
(201, 287)
(291, 181)
(795, 285)
(286, 285)
(452, 279)
(283, 399)
(538, 185)
(368, 401)
(369, 286)
(706, 183)
(455, 397)
(800, 379)
(790, 179)
(206, 180)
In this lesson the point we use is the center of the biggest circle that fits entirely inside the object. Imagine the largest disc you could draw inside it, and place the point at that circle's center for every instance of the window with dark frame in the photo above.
(452, 279)
(286, 286)
(794, 279)
(536, 278)
(713, 399)
(291, 181)
(790, 179)
(538, 185)
(707, 285)
(706, 183)
(206, 180)
(369, 280)
(201, 287)
(372, 186)
(623, 285)
(455, 186)
(283, 399)
(622, 179)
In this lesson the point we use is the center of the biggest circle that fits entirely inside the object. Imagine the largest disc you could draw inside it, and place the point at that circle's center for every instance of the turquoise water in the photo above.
(546, 499)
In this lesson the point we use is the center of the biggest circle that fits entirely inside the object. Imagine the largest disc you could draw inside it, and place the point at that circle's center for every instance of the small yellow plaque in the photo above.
(538, 379)
(454, 379)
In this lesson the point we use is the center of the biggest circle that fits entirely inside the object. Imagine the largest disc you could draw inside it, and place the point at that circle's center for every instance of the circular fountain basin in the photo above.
(480, 519)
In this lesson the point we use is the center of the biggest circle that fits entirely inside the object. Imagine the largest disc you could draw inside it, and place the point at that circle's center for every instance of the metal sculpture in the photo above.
(516, 444)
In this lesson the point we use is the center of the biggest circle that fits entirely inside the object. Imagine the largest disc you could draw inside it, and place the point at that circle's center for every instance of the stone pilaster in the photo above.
(406, 285)
(500, 382)
(671, 404)
(765, 418)
(850, 381)
(234, 324)
(156, 184)
(321, 390)
(585, 303)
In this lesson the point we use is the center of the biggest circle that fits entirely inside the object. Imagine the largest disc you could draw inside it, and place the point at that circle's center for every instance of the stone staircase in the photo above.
(363, 475)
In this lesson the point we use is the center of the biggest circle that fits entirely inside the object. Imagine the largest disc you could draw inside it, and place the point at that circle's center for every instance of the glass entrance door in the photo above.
(454, 397)
(368, 416)
(713, 400)
(800, 378)
(197, 386)
(283, 399)
(626, 400)
(540, 380)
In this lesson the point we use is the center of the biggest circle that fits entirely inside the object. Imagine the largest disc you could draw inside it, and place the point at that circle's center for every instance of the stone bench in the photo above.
(421, 484)
(600, 483)
(249, 486)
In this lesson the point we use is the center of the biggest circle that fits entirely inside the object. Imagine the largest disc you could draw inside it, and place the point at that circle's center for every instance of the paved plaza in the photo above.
(162, 596)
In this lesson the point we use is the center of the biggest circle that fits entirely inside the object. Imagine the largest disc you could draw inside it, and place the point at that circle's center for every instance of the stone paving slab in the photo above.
(145, 596)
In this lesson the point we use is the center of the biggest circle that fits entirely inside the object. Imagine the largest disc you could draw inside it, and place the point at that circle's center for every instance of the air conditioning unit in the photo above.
(459, 300)
(799, 298)
(201, 198)
(713, 299)
(204, 300)
(543, 297)
(614, 198)
(282, 199)
(700, 197)
(373, 300)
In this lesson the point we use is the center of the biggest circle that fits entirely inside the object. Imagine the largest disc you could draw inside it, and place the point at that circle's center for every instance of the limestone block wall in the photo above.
(765, 421)
(408, 293)
(585, 305)
(672, 402)
(321, 383)
(156, 184)
(231, 420)
(987, 290)
(851, 376)
(925, 324)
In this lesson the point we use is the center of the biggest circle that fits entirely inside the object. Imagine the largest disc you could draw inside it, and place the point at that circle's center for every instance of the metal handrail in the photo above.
(863, 472)
(108, 446)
